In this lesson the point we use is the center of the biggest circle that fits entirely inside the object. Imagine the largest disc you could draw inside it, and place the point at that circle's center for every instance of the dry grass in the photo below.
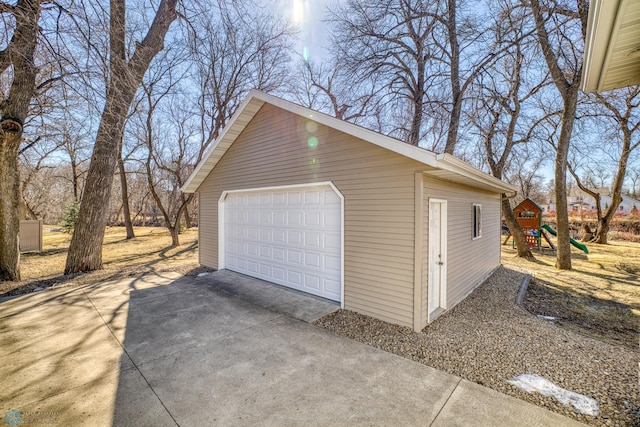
(599, 297)
(149, 250)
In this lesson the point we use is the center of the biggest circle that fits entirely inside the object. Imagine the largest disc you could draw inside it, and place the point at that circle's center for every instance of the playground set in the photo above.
(529, 216)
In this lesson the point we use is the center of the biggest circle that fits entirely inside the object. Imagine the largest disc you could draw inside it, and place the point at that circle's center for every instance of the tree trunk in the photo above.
(10, 190)
(418, 103)
(14, 109)
(74, 179)
(175, 235)
(187, 217)
(124, 189)
(602, 233)
(524, 251)
(563, 255)
(456, 92)
(85, 250)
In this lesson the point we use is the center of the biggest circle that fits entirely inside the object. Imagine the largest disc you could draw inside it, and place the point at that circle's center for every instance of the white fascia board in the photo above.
(457, 166)
(598, 45)
(205, 165)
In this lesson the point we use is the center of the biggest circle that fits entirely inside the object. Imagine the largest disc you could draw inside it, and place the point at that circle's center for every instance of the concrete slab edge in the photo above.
(523, 290)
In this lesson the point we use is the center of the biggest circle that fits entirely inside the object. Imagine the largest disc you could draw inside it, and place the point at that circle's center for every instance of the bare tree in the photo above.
(85, 250)
(235, 47)
(525, 173)
(393, 41)
(466, 33)
(502, 96)
(561, 32)
(326, 88)
(169, 171)
(620, 109)
(124, 193)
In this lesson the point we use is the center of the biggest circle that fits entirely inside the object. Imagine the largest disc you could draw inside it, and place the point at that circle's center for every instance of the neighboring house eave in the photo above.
(612, 46)
(443, 166)
(602, 16)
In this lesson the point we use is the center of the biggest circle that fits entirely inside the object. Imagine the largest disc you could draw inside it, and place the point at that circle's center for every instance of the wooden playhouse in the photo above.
(529, 216)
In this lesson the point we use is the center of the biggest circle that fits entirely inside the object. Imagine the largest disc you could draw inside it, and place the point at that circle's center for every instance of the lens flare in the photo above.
(311, 126)
(297, 11)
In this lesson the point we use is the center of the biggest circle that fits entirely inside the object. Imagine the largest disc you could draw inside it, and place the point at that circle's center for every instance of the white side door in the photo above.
(437, 276)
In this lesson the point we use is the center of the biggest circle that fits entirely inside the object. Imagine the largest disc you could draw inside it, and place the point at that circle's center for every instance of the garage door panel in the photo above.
(265, 270)
(294, 198)
(265, 235)
(279, 198)
(312, 282)
(311, 197)
(291, 237)
(279, 236)
(294, 237)
(332, 263)
(279, 218)
(332, 286)
(312, 219)
(278, 254)
(312, 238)
(331, 219)
(252, 233)
(265, 252)
(294, 277)
(332, 241)
(252, 267)
(252, 249)
(294, 257)
(312, 260)
(294, 218)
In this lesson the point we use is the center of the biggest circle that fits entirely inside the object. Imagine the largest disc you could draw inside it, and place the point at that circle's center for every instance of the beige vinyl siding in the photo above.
(468, 261)
(378, 190)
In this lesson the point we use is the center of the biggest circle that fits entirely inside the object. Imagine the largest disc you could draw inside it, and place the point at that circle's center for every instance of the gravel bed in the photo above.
(488, 339)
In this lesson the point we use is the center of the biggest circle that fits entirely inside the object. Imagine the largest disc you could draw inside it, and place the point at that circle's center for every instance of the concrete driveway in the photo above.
(165, 350)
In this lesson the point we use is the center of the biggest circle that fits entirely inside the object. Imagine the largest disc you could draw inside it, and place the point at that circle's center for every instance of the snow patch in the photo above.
(532, 382)
(203, 274)
(540, 316)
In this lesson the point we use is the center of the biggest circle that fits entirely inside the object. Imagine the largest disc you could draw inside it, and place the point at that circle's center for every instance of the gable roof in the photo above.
(612, 49)
(443, 166)
(531, 201)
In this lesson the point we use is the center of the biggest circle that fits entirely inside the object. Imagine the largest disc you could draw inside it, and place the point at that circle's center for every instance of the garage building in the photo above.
(298, 198)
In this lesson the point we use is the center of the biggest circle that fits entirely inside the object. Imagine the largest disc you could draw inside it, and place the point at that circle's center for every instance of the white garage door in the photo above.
(289, 236)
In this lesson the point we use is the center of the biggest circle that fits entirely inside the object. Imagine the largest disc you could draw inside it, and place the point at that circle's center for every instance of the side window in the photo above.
(477, 221)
